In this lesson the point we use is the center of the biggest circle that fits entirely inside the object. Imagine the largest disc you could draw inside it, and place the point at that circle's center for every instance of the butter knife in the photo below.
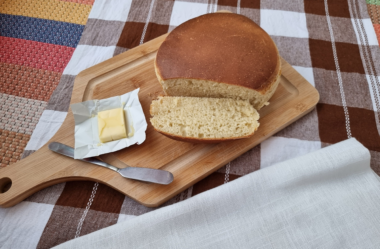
(141, 174)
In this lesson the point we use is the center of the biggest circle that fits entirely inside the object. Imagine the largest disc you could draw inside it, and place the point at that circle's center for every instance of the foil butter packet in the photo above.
(87, 141)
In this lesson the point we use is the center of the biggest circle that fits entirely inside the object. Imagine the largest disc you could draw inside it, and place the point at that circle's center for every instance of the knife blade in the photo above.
(142, 174)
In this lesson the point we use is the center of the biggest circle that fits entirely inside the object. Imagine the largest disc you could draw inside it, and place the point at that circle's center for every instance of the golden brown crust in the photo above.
(201, 140)
(221, 47)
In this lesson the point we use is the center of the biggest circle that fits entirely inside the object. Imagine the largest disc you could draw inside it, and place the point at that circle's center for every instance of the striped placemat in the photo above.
(37, 40)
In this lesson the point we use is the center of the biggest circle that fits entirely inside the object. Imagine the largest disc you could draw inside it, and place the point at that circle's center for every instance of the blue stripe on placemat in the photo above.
(40, 30)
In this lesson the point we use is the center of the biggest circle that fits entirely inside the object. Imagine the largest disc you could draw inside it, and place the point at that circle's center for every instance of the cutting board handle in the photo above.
(20, 180)
(40, 170)
(5, 184)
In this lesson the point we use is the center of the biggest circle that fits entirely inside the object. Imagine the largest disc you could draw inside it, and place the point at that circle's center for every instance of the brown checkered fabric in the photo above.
(331, 43)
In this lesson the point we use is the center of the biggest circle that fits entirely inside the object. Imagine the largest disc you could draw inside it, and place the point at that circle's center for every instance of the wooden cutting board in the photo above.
(188, 162)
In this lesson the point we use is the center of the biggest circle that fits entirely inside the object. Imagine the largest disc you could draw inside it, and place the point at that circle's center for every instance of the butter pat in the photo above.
(129, 118)
(111, 125)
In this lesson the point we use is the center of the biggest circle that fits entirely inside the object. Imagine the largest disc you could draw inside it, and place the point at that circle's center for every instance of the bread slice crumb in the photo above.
(204, 118)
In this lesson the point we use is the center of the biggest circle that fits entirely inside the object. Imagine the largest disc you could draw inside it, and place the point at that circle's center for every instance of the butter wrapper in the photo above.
(87, 142)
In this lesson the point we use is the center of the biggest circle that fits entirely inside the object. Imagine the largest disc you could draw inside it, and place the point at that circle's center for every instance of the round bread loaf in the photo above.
(219, 55)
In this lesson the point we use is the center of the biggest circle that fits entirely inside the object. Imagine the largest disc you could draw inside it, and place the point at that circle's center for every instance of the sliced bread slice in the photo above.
(203, 120)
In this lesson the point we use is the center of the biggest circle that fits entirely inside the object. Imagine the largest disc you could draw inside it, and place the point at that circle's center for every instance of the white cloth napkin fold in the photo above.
(326, 199)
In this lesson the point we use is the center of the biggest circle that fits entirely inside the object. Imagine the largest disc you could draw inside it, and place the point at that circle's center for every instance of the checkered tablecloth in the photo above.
(332, 43)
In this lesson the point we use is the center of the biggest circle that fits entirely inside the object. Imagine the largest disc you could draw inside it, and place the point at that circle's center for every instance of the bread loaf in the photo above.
(203, 120)
(220, 55)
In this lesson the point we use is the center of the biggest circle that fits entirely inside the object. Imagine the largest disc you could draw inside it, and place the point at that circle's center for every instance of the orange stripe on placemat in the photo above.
(28, 82)
(88, 2)
(63, 11)
(12, 144)
(34, 54)
(377, 31)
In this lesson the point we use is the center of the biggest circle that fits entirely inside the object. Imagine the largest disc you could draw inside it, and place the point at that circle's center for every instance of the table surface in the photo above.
(44, 45)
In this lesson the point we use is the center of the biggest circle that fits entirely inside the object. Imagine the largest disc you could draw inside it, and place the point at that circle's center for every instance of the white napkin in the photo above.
(326, 199)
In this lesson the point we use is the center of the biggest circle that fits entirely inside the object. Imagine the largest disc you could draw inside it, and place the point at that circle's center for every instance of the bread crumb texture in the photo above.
(205, 88)
(204, 118)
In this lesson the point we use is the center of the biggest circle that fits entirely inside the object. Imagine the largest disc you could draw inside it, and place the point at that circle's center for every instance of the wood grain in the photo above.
(189, 163)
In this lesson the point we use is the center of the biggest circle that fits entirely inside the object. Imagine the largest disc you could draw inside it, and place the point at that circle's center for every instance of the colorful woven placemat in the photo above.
(374, 13)
(38, 38)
